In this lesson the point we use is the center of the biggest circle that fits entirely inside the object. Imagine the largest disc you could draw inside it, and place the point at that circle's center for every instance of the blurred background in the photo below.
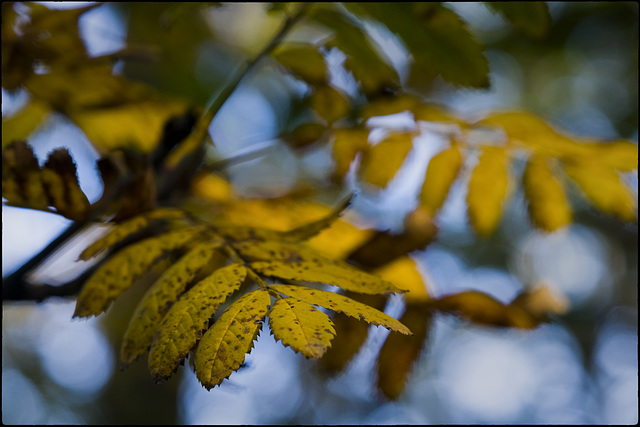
(580, 369)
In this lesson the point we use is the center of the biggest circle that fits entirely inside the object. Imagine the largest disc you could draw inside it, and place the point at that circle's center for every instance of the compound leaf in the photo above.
(340, 303)
(223, 347)
(119, 272)
(186, 320)
(159, 298)
(301, 326)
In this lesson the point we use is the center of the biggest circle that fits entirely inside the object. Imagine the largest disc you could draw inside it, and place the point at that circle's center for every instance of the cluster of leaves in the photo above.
(224, 271)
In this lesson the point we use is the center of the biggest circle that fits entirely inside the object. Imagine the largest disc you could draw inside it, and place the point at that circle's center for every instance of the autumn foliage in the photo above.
(225, 270)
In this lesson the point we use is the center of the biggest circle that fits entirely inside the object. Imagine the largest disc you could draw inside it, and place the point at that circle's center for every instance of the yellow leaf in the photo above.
(339, 239)
(271, 250)
(135, 125)
(400, 352)
(26, 120)
(21, 177)
(303, 60)
(333, 273)
(429, 112)
(441, 172)
(188, 318)
(329, 103)
(160, 296)
(305, 134)
(540, 301)
(212, 187)
(301, 326)
(127, 228)
(548, 205)
(603, 187)
(620, 155)
(340, 303)
(404, 272)
(119, 272)
(306, 231)
(387, 105)
(222, 348)
(381, 162)
(348, 142)
(351, 334)
(488, 190)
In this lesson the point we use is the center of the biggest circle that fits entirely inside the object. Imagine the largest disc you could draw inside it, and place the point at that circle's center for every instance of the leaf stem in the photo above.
(218, 101)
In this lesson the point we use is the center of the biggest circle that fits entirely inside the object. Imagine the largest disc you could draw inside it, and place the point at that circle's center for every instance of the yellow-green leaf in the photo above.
(530, 17)
(159, 298)
(441, 172)
(127, 228)
(603, 187)
(304, 60)
(329, 103)
(381, 162)
(366, 64)
(548, 206)
(340, 303)
(120, 271)
(488, 190)
(620, 155)
(20, 125)
(387, 105)
(347, 144)
(184, 323)
(223, 347)
(437, 39)
(139, 124)
(301, 326)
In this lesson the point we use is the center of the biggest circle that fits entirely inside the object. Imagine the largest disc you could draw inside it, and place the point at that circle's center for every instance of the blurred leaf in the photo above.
(60, 181)
(541, 301)
(351, 334)
(161, 295)
(400, 352)
(329, 103)
(483, 309)
(304, 60)
(222, 348)
(530, 17)
(372, 72)
(488, 190)
(136, 125)
(437, 39)
(301, 326)
(188, 318)
(347, 143)
(403, 271)
(305, 135)
(429, 112)
(381, 162)
(389, 104)
(548, 206)
(603, 187)
(442, 170)
(20, 125)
